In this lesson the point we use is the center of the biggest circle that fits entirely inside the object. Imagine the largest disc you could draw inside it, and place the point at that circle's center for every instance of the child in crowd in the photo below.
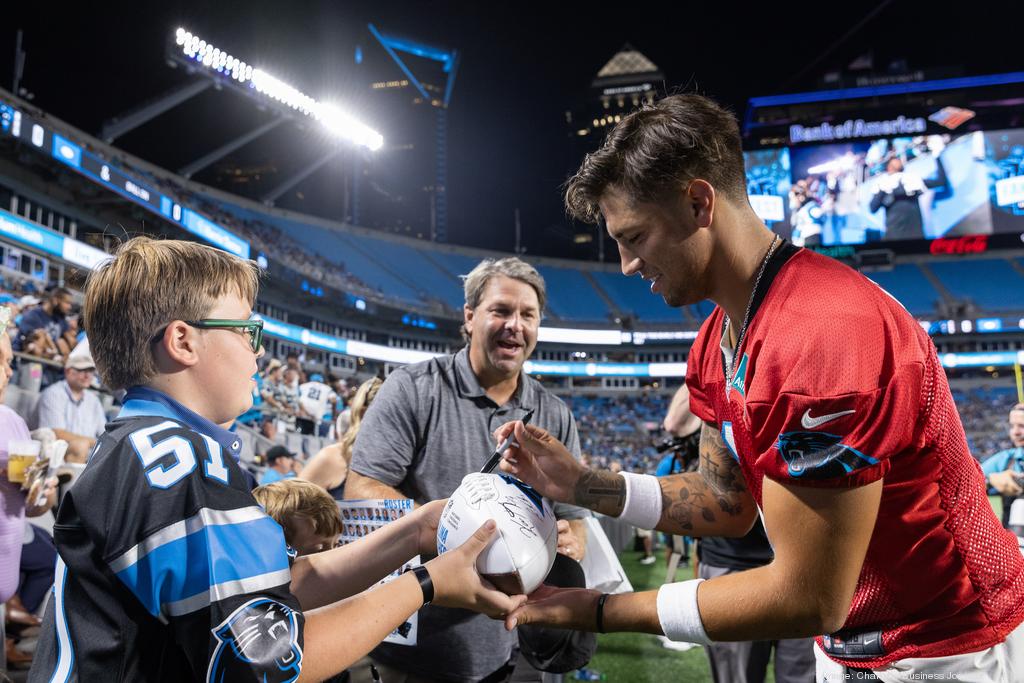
(308, 515)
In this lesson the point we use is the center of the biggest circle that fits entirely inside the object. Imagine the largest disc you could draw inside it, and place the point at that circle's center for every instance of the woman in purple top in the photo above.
(13, 508)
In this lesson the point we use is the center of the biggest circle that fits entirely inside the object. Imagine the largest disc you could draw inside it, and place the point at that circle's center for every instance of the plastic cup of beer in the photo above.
(21, 453)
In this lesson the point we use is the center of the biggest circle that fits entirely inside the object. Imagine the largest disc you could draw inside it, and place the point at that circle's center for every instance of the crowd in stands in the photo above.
(626, 429)
(620, 428)
(983, 412)
(272, 240)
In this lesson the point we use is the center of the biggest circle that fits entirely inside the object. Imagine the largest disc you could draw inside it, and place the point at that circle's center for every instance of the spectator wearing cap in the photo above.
(72, 411)
(280, 465)
(27, 302)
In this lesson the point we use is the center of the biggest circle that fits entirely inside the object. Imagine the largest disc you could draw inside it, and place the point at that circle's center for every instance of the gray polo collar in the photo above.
(469, 385)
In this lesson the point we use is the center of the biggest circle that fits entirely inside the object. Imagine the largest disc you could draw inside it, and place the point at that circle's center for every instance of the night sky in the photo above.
(522, 65)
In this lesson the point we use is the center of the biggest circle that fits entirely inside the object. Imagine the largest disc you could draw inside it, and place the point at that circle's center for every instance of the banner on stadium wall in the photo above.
(105, 173)
(49, 241)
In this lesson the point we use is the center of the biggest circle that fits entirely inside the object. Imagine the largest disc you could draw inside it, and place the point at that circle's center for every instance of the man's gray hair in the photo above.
(474, 283)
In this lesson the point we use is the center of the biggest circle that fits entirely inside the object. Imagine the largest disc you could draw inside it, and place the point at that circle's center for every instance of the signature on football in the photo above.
(521, 519)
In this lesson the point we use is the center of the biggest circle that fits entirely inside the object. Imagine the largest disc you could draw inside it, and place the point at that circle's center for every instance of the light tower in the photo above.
(425, 93)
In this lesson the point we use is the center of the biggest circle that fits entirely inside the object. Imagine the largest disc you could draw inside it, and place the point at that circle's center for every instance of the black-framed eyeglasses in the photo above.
(252, 328)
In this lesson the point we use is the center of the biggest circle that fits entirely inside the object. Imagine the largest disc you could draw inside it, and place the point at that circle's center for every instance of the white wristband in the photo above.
(678, 612)
(642, 508)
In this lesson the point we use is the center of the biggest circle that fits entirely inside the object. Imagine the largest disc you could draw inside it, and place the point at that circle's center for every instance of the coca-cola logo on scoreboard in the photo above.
(968, 244)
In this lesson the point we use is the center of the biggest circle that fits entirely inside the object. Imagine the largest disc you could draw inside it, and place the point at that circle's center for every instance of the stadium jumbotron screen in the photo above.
(888, 189)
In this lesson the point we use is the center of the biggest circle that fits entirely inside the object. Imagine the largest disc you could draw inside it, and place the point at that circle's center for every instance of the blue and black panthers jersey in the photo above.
(168, 569)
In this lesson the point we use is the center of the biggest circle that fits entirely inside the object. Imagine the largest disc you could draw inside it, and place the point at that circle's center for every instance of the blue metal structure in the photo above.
(449, 60)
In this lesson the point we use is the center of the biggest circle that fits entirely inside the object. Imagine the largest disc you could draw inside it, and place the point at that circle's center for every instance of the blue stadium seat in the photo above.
(355, 252)
(415, 266)
(571, 297)
(632, 296)
(456, 264)
(909, 285)
(992, 284)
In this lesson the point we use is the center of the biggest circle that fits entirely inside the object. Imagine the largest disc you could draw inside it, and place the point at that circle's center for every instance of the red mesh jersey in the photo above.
(839, 386)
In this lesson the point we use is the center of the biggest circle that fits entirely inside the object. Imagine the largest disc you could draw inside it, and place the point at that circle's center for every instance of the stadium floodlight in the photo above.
(331, 117)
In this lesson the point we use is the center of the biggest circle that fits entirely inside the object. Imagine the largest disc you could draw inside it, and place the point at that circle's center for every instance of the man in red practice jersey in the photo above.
(825, 410)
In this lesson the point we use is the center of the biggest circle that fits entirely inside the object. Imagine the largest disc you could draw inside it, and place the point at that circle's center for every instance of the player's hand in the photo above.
(541, 461)
(427, 518)
(568, 542)
(571, 608)
(458, 584)
(1006, 483)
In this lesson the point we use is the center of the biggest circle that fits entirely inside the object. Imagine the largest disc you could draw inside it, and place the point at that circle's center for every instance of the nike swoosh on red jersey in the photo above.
(809, 422)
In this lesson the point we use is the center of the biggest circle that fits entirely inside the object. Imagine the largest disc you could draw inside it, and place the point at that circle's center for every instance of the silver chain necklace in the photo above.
(731, 368)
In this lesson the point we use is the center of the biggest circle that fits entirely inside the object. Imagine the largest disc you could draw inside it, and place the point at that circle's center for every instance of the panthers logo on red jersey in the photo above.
(816, 455)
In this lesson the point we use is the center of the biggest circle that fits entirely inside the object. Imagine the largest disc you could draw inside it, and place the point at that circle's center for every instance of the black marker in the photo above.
(500, 450)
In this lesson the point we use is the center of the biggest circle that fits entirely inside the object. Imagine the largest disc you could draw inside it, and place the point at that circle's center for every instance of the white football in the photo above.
(522, 550)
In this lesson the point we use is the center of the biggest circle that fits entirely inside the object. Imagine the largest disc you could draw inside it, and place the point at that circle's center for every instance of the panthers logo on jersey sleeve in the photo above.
(258, 641)
(816, 455)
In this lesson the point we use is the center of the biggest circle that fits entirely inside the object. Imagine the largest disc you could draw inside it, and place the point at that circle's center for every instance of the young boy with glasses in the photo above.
(169, 570)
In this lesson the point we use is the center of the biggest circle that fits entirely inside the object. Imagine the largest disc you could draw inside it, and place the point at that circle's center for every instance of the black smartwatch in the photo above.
(426, 584)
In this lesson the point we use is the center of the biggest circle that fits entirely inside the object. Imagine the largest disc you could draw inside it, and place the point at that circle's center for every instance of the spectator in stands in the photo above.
(15, 504)
(268, 427)
(1004, 471)
(280, 465)
(51, 317)
(309, 516)
(431, 424)
(39, 344)
(273, 391)
(70, 409)
(329, 467)
(315, 401)
(343, 407)
(289, 396)
(27, 303)
(304, 422)
(292, 362)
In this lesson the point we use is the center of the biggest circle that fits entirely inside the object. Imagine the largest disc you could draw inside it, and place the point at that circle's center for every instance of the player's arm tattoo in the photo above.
(601, 491)
(699, 501)
(721, 472)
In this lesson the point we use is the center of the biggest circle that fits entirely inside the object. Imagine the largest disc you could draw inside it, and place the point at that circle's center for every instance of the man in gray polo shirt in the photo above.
(431, 424)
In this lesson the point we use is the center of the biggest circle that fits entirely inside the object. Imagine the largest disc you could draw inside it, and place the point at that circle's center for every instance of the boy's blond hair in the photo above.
(288, 498)
(144, 287)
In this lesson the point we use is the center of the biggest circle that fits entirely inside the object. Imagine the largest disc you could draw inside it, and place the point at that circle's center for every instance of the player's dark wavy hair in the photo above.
(657, 149)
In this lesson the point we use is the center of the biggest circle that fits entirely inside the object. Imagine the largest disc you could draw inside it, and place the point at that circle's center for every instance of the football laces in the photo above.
(479, 487)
